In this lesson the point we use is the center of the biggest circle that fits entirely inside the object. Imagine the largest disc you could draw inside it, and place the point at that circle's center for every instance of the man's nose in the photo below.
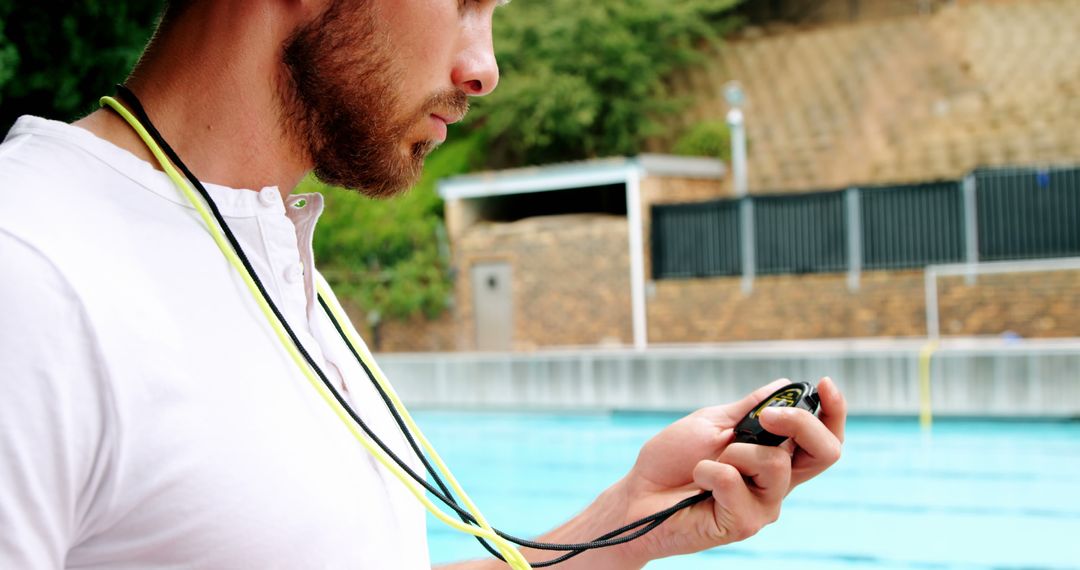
(476, 72)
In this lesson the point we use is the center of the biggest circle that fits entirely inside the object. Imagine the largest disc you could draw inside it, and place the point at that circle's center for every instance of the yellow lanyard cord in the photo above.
(513, 557)
(338, 314)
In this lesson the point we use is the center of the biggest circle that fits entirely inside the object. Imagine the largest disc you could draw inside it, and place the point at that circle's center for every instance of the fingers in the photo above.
(735, 509)
(817, 446)
(833, 407)
(807, 432)
(766, 469)
(747, 485)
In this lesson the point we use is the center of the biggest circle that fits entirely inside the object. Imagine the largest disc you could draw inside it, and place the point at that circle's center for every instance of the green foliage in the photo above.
(709, 138)
(385, 255)
(9, 60)
(585, 79)
(57, 59)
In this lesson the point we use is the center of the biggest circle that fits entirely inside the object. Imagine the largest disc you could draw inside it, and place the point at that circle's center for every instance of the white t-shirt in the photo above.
(149, 418)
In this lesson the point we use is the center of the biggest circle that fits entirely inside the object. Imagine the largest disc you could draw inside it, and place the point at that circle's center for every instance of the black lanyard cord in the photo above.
(442, 493)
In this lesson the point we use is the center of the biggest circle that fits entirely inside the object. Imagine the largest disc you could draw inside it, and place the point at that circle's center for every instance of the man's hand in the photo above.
(747, 481)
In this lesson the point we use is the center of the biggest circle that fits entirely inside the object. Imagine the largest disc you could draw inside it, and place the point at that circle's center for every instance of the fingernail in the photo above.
(773, 414)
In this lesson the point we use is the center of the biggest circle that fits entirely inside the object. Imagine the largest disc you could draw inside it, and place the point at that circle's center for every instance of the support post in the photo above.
(637, 255)
(852, 200)
(746, 241)
(739, 183)
(971, 226)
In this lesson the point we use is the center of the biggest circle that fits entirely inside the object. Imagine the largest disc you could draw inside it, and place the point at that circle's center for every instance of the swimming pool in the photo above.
(972, 495)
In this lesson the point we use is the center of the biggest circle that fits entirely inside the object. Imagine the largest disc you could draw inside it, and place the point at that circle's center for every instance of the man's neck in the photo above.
(212, 93)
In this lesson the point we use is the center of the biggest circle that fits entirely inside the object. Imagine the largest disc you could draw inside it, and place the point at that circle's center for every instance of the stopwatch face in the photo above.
(787, 397)
(797, 395)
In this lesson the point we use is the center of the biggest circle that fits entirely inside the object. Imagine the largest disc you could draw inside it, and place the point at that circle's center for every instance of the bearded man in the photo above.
(149, 416)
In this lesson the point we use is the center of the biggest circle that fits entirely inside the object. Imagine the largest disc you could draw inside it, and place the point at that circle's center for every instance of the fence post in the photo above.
(854, 237)
(637, 255)
(971, 226)
(746, 240)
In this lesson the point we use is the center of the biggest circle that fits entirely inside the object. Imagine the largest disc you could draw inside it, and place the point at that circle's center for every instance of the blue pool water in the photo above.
(971, 495)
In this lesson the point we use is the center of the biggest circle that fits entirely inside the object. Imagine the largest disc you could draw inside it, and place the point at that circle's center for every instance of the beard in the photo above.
(341, 102)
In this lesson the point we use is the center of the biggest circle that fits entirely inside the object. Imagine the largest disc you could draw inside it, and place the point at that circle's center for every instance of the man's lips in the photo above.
(448, 118)
(440, 121)
(439, 125)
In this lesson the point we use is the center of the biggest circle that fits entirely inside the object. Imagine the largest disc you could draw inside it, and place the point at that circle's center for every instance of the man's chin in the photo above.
(376, 187)
(385, 178)
(420, 150)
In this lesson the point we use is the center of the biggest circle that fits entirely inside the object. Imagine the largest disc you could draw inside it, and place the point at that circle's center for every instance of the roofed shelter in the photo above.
(557, 255)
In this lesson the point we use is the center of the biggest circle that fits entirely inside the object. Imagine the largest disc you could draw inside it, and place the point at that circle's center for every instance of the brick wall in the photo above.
(569, 300)
(888, 304)
(570, 281)
(1042, 304)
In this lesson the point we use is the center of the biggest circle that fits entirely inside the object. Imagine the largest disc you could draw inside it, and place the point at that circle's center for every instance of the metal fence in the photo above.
(1028, 213)
(800, 234)
(912, 226)
(697, 240)
(990, 215)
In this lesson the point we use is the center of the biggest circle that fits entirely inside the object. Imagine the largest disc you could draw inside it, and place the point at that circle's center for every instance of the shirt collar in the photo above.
(231, 202)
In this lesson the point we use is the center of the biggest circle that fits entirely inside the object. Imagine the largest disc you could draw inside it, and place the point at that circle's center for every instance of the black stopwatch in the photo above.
(795, 395)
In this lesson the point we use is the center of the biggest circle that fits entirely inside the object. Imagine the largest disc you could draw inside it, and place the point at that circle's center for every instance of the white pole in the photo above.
(739, 182)
(854, 235)
(749, 263)
(637, 255)
(738, 150)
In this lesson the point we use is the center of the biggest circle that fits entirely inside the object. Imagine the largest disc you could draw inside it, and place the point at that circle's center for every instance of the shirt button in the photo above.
(269, 196)
(294, 273)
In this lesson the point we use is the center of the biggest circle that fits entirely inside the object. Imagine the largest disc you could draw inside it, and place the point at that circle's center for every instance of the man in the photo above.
(148, 415)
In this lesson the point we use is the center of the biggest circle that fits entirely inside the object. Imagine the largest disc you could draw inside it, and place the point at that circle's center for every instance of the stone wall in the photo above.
(887, 304)
(1031, 305)
(559, 304)
(570, 285)
(898, 100)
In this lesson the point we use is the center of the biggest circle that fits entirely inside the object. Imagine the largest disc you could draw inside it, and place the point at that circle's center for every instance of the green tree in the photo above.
(709, 138)
(59, 56)
(586, 79)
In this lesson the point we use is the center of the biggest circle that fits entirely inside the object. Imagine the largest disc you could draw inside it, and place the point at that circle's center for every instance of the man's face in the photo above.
(372, 84)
